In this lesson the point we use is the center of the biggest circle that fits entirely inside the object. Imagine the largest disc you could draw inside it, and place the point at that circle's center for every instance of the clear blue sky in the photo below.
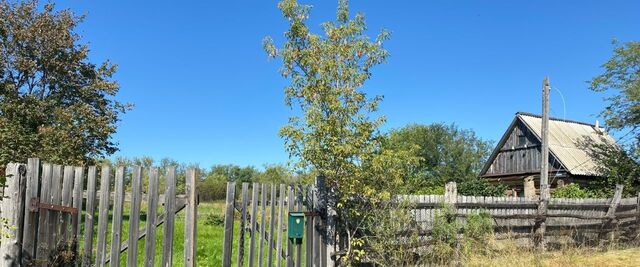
(205, 91)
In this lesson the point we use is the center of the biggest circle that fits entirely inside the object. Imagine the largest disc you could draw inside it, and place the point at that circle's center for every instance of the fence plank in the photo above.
(134, 216)
(152, 209)
(263, 211)
(116, 225)
(228, 224)
(30, 217)
(67, 190)
(54, 220)
(272, 222)
(280, 224)
(103, 215)
(77, 201)
(254, 222)
(191, 230)
(243, 223)
(87, 250)
(309, 229)
(43, 229)
(10, 205)
(291, 207)
(170, 196)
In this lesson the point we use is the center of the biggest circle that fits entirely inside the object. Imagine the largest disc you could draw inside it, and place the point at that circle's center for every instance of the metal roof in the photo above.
(567, 139)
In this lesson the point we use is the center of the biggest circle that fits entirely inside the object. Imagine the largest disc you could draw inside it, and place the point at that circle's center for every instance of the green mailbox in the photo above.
(296, 226)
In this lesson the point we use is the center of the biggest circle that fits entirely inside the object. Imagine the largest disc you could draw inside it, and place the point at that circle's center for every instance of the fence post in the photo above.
(327, 203)
(191, 221)
(611, 213)
(451, 194)
(30, 217)
(228, 224)
(10, 205)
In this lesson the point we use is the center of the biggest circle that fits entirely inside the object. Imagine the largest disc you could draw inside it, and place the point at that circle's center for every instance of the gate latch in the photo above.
(36, 205)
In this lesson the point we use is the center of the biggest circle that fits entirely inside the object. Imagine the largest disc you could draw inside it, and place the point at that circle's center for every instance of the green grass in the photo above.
(209, 237)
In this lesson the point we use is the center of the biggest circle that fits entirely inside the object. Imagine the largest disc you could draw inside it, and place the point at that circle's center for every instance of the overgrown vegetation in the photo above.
(621, 81)
(572, 191)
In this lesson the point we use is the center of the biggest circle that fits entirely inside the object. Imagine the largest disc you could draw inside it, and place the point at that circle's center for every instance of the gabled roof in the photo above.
(566, 139)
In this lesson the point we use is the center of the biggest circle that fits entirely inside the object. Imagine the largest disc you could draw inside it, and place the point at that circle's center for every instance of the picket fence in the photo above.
(44, 206)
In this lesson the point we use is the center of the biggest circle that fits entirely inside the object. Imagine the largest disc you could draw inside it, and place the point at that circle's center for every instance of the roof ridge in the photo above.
(521, 113)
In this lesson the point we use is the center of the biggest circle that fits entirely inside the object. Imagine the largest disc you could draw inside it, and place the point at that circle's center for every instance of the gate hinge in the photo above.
(36, 205)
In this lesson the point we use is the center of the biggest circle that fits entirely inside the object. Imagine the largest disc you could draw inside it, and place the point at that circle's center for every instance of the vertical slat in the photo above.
(87, 250)
(228, 224)
(152, 210)
(54, 220)
(10, 205)
(317, 242)
(169, 222)
(298, 201)
(103, 215)
(254, 222)
(134, 217)
(263, 215)
(116, 225)
(291, 207)
(280, 224)
(43, 229)
(272, 221)
(309, 227)
(67, 189)
(243, 223)
(30, 217)
(77, 201)
(191, 230)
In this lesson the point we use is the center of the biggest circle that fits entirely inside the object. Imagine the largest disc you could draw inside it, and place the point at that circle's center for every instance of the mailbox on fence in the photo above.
(296, 227)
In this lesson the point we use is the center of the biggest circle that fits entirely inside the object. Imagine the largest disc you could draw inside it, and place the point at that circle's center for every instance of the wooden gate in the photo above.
(262, 222)
(43, 206)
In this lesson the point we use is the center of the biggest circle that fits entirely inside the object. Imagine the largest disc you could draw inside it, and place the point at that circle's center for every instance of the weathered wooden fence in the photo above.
(263, 221)
(44, 206)
(586, 221)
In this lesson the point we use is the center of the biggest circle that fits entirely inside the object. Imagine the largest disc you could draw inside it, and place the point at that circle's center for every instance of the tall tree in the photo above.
(54, 102)
(448, 153)
(621, 80)
(337, 133)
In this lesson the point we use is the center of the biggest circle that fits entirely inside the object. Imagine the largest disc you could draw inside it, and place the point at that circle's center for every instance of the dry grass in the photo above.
(564, 258)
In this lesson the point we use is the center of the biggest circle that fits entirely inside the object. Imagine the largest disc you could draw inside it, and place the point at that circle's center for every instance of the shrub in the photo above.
(444, 234)
(214, 219)
(571, 191)
(480, 187)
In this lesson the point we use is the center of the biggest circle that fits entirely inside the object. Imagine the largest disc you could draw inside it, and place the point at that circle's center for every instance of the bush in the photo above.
(571, 191)
(444, 234)
(214, 219)
(480, 187)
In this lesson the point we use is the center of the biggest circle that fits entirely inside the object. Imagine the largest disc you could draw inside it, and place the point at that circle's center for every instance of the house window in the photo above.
(522, 140)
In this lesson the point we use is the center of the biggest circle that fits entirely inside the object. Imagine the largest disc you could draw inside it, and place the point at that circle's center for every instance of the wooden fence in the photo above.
(263, 220)
(45, 204)
(584, 221)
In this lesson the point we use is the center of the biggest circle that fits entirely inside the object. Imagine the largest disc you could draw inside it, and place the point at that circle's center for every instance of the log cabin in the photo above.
(516, 159)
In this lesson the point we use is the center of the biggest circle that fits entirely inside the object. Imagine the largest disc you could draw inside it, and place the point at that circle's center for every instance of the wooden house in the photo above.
(516, 159)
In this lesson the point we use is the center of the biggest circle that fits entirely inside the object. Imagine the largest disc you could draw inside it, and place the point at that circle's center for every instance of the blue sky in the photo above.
(204, 90)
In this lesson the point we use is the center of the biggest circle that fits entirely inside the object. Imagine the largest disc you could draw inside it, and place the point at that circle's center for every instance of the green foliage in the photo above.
(480, 187)
(337, 132)
(572, 191)
(214, 219)
(447, 153)
(444, 235)
(54, 103)
(393, 236)
(621, 81)
(478, 226)
(431, 190)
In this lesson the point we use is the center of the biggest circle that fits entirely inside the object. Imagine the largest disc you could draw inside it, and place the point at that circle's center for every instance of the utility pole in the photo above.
(544, 165)
(540, 224)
